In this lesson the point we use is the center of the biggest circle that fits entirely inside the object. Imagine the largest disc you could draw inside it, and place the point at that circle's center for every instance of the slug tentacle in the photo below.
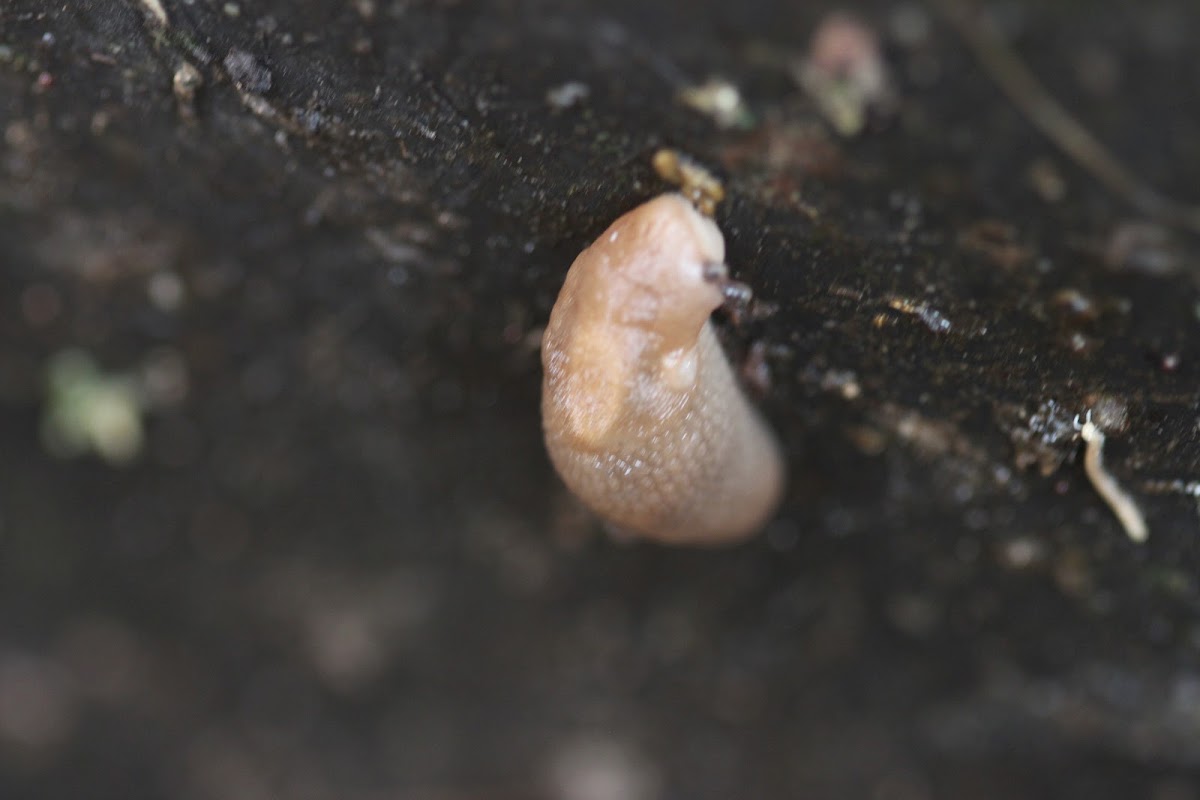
(642, 414)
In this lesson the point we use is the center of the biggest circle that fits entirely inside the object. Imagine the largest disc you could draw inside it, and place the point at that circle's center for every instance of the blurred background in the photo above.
(275, 516)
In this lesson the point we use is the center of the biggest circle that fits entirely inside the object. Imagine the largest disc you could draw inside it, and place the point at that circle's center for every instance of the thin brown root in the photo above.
(1057, 124)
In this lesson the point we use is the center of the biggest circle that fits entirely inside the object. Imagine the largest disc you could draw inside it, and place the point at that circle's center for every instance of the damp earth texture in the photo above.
(276, 515)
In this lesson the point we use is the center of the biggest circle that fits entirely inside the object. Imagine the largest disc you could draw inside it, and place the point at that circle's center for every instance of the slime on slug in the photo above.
(642, 414)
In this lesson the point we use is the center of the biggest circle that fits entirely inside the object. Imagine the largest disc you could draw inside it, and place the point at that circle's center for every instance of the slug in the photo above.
(643, 417)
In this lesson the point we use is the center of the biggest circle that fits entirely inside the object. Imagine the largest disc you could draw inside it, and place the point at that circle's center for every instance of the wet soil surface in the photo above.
(275, 516)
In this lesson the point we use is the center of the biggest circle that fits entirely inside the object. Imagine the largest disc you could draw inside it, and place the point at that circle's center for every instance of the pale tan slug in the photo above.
(643, 417)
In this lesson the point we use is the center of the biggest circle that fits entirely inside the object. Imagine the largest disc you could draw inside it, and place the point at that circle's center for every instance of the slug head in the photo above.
(630, 314)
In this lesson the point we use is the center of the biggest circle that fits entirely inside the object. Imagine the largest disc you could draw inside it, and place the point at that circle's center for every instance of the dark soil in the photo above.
(321, 239)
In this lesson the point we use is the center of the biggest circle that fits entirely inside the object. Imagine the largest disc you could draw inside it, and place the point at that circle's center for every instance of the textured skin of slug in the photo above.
(642, 414)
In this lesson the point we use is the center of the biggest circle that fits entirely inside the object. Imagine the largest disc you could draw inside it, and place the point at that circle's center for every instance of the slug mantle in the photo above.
(642, 414)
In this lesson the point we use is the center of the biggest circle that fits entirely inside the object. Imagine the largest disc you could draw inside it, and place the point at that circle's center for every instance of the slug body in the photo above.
(643, 417)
